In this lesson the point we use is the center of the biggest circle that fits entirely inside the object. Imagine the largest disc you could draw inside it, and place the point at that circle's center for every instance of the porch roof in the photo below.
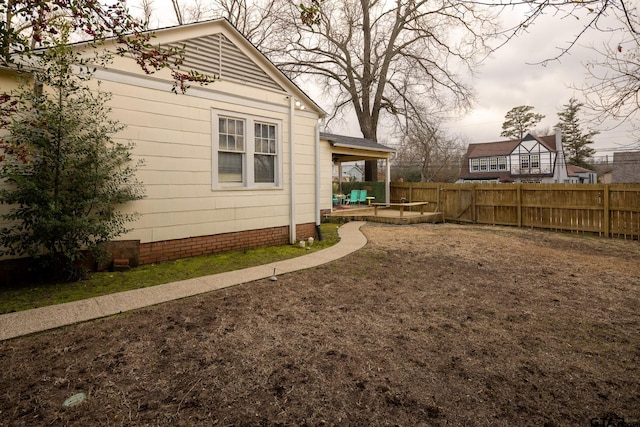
(349, 148)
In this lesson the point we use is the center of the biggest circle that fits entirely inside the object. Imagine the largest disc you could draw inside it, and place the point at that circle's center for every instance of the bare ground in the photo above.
(427, 325)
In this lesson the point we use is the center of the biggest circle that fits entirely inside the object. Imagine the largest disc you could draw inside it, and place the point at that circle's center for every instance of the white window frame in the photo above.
(534, 161)
(484, 164)
(475, 165)
(502, 163)
(248, 172)
(525, 163)
(493, 163)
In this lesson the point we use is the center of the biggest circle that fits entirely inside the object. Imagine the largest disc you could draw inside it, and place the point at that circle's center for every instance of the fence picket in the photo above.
(604, 209)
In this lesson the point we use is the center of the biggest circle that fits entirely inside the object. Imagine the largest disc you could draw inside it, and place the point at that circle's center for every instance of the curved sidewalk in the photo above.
(40, 319)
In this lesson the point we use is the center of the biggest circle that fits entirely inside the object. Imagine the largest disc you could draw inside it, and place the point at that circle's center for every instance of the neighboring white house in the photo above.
(531, 159)
(235, 164)
(350, 172)
(579, 175)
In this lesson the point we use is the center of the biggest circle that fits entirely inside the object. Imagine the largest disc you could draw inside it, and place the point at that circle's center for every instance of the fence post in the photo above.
(605, 214)
(519, 203)
(474, 214)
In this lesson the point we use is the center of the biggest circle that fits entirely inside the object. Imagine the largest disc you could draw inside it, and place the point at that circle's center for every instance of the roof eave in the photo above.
(360, 147)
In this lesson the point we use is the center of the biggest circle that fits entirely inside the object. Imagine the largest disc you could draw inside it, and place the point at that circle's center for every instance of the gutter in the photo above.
(318, 178)
(292, 174)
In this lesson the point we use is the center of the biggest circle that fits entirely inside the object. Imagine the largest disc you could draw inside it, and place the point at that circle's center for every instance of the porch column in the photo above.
(387, 180)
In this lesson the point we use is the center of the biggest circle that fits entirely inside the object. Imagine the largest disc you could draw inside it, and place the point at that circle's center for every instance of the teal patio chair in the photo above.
(363, 197)
(354, 197)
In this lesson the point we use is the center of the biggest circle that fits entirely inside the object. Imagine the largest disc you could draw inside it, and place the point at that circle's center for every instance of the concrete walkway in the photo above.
(40, 319)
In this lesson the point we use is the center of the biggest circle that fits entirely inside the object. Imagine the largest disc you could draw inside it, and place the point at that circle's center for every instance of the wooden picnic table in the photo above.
(401, 205)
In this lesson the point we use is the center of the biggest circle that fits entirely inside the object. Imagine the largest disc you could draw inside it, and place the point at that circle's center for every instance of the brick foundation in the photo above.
(168, 250)
(136, 253)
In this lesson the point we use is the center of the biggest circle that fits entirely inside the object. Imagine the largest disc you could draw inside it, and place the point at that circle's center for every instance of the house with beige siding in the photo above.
(234, 164)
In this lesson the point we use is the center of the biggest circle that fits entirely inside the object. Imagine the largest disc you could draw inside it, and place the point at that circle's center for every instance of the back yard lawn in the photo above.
(427, 325)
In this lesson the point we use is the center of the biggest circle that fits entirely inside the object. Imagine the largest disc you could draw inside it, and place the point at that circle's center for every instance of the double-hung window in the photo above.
(265, 152)
(535, 161)
(484, 164)
(502, 163)
(231, 152)
(493, 163)
(475, 165)
(524, 163)
(246, 151)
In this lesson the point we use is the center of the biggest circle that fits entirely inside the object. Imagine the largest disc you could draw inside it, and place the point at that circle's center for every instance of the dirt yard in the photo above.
(428, 325)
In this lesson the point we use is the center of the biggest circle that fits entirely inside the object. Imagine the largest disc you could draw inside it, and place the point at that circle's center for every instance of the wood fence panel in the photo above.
(624, 211)
(497, 204)
(458, 202)
(605, 209)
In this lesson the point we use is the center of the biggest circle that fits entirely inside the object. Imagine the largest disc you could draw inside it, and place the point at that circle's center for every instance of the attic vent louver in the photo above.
(216, 54)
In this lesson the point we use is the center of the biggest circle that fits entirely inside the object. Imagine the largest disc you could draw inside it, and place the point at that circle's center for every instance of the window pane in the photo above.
(231, 134)
(265, 138)
(264, 168)
(229, 167)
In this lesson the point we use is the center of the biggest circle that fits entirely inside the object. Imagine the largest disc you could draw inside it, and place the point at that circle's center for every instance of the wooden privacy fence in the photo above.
(605, 209)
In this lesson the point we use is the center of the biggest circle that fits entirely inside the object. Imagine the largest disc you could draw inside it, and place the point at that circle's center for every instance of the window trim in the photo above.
(534, 157)
(248, 165)
(502, 163)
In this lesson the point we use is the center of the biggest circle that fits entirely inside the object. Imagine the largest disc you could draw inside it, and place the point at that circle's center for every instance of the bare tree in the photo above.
(429, 151)
(613, 86)
(256, 20)
(147, 10)
(387, 57)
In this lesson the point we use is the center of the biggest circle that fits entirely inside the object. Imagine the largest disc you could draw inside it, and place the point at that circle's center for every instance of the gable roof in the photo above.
(504, 148)
(216, 47)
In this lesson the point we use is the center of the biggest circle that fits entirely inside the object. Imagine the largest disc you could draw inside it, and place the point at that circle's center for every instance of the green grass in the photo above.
(32, 295)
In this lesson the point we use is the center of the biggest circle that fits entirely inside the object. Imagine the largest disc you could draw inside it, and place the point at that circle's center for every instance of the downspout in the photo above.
(292, 174)
(318, 182)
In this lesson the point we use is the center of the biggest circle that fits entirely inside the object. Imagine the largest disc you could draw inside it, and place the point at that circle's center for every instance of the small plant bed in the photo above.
(32, 295)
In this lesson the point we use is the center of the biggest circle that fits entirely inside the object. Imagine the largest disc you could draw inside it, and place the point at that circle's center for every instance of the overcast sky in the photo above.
(510, 78)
